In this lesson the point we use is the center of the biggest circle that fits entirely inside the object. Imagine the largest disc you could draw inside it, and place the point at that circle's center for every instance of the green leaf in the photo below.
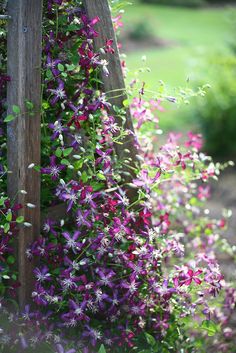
(70, 67)
(79, 164)
(6, 227)
(9, 217)
(9, 118)
(49, 74)
(67, 151)
(102, 349)
(58, 152)
(97, 186)
(150, 339)
(101, 176)
(65, 162)
(37, 168)
(126, 103)
(209, 326)
(2, 200)
(11, 260)
(16, 109)
(29, 105)
(56, 271)
(61, 67)
(14, 277)
(20, 219)
(73, 27)
(84, 177)
(45, 105)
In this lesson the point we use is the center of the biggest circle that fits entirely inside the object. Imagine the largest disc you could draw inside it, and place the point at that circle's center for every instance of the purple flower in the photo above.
(131, 286)
(54, 169)
(106, 277)
(68, 280)
(58, 93)
(48, 227)
(52, 2)
(94, 334)
(82, 218)
(71, 196)
(88, 28)
(52, 65)
(57, 129)
(60, 349)
(42, 274)
(110, 125)
(88, 197)
(104, 157)
(101, 101)
(77, 311)
(39, 294)
(164, 291)
(71, 242)
(27, 315)
(145, 181)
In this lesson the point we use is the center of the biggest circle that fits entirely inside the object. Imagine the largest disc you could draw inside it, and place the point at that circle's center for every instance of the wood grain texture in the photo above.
(115, 80)
(24, 68)
(56, 213)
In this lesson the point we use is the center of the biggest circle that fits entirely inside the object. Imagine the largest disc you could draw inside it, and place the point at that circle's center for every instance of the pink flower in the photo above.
(195, 141)
(203, 192)
(191, 276)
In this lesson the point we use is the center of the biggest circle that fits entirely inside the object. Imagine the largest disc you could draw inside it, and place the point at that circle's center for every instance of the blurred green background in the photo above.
(187, 46)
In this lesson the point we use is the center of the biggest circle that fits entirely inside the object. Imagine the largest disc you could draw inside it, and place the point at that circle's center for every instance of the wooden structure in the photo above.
(113, 84)
(24, 141)
(24, 67)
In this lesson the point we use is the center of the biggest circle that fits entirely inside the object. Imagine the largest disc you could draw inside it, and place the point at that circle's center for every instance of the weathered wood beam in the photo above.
(113, 84)
(56, 213)
(24, 67)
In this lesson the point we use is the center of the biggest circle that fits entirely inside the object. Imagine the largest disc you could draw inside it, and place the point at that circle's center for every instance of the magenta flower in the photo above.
(195, 141)
(203, 192)
(191, 276)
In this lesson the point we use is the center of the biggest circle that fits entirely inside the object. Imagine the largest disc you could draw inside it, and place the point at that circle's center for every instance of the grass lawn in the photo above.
(195, 33)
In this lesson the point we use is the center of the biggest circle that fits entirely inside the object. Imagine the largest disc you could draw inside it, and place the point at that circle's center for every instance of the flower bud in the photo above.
(30, 205)
(23, 192)
(27, 224)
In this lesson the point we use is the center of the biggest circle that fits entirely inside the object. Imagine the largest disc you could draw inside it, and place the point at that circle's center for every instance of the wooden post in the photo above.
(115, 81)
(24, 67)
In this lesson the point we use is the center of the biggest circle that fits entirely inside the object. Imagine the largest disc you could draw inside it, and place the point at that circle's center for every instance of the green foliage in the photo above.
(188, 3)
(102, 349)
(141, 31)
(210, 327)
(222, 2)
(184, 3)
(216, 113)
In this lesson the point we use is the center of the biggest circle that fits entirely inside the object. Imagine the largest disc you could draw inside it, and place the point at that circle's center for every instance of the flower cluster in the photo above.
(128, 274)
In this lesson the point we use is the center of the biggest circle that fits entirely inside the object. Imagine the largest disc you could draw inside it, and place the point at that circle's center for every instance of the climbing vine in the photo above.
(115, 274)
